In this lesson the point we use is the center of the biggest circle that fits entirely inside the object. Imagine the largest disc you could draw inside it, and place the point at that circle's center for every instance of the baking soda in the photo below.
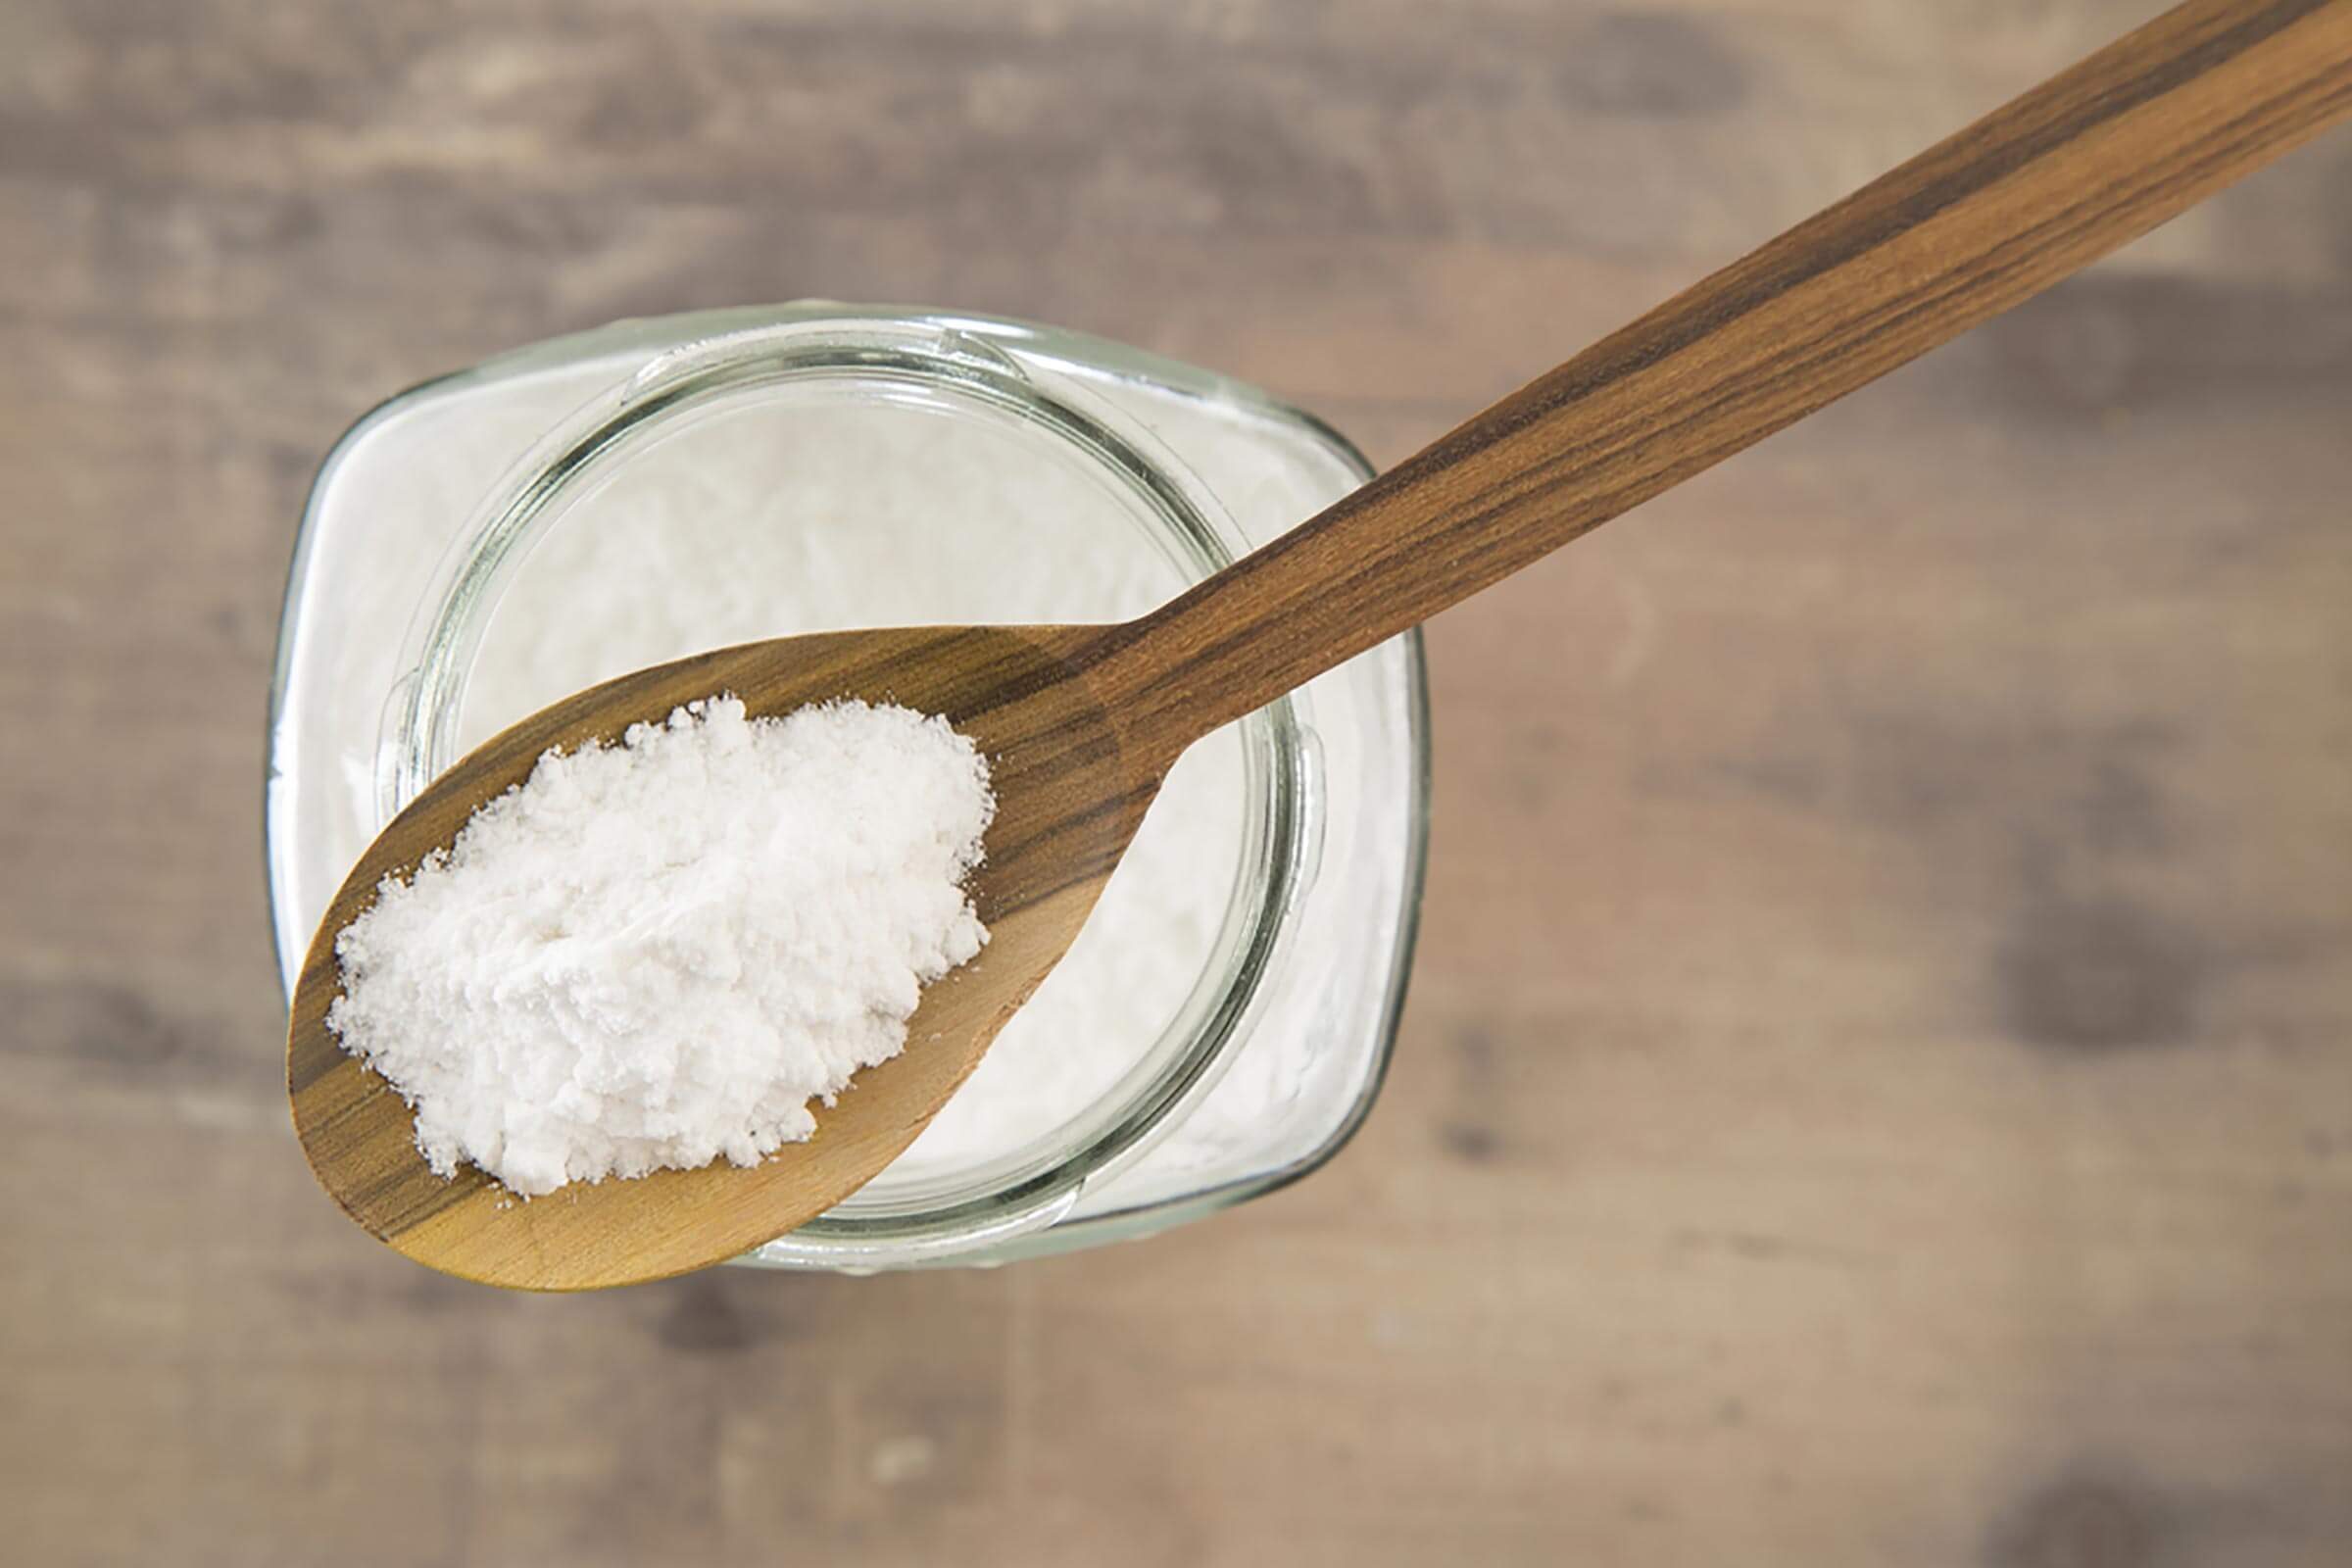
(837, 519)
(662, 952)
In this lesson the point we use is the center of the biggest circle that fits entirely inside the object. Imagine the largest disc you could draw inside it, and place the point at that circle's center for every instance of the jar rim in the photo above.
(975, 1206)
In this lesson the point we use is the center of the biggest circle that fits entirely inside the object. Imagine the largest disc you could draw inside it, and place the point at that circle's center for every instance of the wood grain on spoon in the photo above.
(1082, 722)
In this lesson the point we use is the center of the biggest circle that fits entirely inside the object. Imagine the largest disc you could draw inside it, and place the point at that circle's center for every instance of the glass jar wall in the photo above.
(490, 540)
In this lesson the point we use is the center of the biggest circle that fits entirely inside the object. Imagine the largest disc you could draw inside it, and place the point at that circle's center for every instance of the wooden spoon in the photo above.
(1082, 722)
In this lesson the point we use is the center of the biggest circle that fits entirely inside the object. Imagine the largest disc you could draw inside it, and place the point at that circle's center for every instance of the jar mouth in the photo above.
(937, 367)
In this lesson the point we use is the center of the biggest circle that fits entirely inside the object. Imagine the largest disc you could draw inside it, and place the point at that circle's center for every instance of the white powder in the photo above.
(824, 519)
(660, 953)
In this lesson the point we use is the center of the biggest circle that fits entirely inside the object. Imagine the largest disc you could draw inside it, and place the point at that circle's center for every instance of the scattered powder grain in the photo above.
(660, 953)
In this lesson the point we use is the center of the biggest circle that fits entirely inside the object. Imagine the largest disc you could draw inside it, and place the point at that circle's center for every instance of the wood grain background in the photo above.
(1878, 1086)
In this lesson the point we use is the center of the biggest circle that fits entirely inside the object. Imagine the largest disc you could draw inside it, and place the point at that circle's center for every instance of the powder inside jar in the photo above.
(802, 520)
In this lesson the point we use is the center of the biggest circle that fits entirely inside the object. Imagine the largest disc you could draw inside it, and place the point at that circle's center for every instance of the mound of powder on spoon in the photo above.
(660, 953)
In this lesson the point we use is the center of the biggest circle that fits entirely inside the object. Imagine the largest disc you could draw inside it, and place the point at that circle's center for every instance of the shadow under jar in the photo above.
(486, 543)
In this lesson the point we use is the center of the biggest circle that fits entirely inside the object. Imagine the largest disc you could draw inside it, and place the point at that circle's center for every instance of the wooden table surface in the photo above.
(1877, 1081)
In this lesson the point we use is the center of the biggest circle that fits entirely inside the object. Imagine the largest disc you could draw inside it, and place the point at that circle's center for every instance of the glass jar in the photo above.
(487, 542)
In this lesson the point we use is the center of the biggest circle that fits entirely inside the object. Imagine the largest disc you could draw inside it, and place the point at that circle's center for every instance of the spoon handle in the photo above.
(2090, 159)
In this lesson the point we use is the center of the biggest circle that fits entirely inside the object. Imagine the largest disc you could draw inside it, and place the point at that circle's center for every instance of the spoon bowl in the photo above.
(1070, 795)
